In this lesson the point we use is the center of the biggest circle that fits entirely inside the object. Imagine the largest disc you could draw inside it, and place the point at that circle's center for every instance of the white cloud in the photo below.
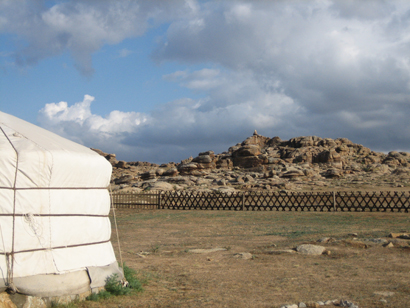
(77, 122)
(79, 112)
(172, 131)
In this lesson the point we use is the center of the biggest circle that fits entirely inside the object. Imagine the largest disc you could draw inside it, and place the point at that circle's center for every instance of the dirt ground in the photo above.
(157, 244)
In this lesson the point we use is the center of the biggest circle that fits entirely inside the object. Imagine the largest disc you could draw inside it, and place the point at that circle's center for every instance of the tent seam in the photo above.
(10, 269)
(62, 247)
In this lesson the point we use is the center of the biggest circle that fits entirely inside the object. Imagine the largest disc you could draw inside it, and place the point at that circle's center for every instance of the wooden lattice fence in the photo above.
(273, 201)
(132, 200)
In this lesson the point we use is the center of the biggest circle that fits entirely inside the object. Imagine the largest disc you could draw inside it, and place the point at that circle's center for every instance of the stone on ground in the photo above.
(200, 250)
(310, 249)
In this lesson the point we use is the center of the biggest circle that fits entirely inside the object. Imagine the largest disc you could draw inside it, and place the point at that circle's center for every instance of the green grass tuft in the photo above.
(114, 286)
(133, 282)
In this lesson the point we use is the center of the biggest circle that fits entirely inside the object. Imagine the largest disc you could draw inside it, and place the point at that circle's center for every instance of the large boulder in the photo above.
(246, 162)
(203, 159)
(305, 141)
(122, 164)
(310, 249)
(247, 156)
(329, 156)
(247, 150)
(187, 168)
(160, 186)
(333, 173)
(173, 171)
(124, 179)
(293, 173)
(257, 140)
(224, 162)
(395, 159)
(149, 175)
(112, 159)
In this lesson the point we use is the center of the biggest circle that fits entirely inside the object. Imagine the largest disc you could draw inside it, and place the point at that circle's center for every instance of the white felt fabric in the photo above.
(52, 176)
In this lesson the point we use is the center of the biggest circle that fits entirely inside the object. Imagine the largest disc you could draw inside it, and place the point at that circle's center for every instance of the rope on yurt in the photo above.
(10, 255)
(124, 282)
(2, 239)
(5, 254)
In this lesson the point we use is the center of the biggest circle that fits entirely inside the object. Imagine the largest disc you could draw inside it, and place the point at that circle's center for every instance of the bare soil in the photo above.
(156, 244)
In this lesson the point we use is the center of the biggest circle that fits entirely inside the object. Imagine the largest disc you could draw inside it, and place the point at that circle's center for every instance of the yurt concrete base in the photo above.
(25, 301)
(41, 291)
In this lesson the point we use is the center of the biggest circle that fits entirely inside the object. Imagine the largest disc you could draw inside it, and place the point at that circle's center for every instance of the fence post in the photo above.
(159, 199)
(334, 201)
(243, 201)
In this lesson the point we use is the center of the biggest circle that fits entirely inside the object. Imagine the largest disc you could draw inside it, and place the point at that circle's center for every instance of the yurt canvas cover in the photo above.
(54, 206)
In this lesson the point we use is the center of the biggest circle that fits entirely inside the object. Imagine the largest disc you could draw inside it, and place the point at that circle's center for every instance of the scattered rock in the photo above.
(325, 240)
(381, 241)
(404, 236)
(310, 249)
(384, 293)
(199, 250)
(243, 255)
(311, 304)
(344, 303)
(289, 306)
(279, 252)
(399, 242)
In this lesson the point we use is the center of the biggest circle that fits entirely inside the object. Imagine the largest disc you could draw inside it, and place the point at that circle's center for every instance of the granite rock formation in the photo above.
(301, 163)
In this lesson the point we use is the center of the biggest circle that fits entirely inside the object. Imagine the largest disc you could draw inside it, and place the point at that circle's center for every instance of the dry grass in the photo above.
(178, 278)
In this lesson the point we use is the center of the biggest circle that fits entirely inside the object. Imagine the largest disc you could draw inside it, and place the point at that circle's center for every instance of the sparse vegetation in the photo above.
(180, 278)
(69, 305)
(114, 286)
(185, 279)
(155, 248)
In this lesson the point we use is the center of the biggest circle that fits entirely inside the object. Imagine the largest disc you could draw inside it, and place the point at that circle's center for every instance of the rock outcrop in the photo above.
(307, 162)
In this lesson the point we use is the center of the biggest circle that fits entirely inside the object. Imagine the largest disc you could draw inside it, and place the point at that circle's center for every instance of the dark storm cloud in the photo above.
(287, 68)
(80, 27)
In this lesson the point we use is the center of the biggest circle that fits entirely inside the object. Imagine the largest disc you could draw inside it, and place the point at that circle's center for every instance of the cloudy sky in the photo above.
(160, 81)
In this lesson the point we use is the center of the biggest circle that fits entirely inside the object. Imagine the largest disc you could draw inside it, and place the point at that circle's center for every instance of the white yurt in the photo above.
(54, 206)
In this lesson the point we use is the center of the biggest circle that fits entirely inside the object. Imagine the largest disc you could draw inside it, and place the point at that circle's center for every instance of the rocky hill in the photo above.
(263, 163)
